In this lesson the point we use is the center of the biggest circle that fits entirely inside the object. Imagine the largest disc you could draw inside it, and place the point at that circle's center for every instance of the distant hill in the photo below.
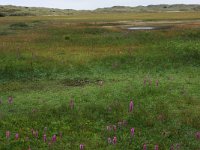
(151, 8)
(9, 10)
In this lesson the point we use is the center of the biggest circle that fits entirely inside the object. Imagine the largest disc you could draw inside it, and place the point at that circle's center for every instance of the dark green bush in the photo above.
(67, 38)
(4, 33)
(21, 14)
(2, 14)
(20, 25)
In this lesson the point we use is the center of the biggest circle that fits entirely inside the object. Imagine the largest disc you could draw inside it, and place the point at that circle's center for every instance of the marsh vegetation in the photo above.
(74, 77)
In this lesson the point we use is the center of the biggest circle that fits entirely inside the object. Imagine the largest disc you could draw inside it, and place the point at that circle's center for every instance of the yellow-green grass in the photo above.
(110, 17)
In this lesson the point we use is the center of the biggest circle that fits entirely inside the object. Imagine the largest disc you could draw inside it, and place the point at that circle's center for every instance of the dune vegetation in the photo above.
(69, 80)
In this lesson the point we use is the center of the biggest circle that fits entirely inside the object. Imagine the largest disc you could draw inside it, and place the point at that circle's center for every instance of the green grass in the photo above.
(102, 69)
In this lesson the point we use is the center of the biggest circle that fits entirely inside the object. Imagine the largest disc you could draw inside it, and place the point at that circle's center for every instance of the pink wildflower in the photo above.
(144, 147)
(114, 140)
(10, 99)
(44, 138)
(16, 136)
(36, 134)
(81, 146)
(172, 147)
(54, 138)
(7, 134)
(198, 135)
(132, 131)
(156, 147)
(131, 106)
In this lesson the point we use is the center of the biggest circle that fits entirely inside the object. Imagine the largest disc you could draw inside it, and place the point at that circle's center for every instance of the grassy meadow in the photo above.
(90, 60)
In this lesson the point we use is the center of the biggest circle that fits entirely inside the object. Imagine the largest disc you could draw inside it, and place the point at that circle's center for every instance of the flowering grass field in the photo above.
(78, 83)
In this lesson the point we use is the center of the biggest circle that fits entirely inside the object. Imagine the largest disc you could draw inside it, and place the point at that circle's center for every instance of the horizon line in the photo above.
(96, 8)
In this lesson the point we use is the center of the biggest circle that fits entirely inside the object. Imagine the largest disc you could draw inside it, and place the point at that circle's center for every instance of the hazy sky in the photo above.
(91, 4)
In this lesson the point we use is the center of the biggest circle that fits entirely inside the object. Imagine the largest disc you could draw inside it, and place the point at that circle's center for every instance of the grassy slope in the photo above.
(10, 10)
(63, 57)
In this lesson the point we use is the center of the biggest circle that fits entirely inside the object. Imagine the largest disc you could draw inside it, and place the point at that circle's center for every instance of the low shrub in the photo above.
(20, 25)
(2, 14)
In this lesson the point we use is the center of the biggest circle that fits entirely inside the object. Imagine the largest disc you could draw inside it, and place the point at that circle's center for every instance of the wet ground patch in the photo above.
(149, 27)
(81, 82)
